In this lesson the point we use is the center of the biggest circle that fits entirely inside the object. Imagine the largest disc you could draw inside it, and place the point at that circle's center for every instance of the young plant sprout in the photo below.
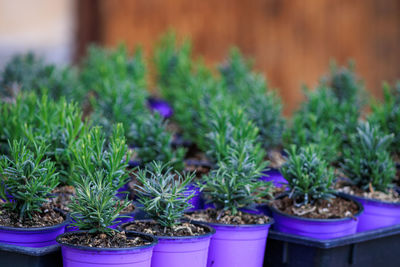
(27, 179)
(387, 116)
(173, 64)
(367, 162)
(162, 193)
(309, 176)
(250, 90)
(97, 157)
(154, 143)
(95, 206)
(235, 183)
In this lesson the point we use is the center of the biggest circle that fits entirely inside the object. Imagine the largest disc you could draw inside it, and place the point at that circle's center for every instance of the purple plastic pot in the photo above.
(315, 228)
(79, 256)
(377, 214)
(238, 245)
(123, 192)
(181, 251)
(31, 237)
(130, 217)
(161, 106)
(196, 199)
(274, 176)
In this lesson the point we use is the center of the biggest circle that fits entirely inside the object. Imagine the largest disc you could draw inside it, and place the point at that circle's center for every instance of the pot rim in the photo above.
(371, 199)
(153, 239)
(211, 230)
(41, 228)
(270, 222)
(357, 215)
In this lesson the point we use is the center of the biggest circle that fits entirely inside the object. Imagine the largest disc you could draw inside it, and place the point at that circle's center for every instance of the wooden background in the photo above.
(292, 41)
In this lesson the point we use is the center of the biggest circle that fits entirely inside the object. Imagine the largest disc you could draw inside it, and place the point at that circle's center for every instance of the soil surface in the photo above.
(390, 196)
(63, 196)
(47, 217)
(334, 208)
(114, 240)
(129, 209)
(225, 217)
(153, 228)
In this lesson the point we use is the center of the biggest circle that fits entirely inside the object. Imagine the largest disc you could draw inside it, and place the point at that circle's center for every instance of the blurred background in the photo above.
(291, 41)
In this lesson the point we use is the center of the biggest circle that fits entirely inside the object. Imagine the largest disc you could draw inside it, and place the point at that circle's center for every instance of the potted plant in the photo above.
(233, 186)
(370, 170)
(387, 116)
(27, 179)
(310, 208)
(94, 209)
(95, 153)
(161, 191)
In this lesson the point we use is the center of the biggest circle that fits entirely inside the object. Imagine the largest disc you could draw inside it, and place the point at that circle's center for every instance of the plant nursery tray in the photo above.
(17, 256)
(380, 247)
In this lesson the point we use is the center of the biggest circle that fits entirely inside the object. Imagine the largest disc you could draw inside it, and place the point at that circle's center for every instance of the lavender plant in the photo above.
(94, 207)
(387, 116)
(162, 192)
(309, 176)
(26, 179)
(367, 162)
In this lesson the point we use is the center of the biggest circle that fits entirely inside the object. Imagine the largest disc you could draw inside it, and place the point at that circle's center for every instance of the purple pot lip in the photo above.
(270, 222)
(202, 224)
(154, 241)
(38, 229)
(371, 200)
(360, 211)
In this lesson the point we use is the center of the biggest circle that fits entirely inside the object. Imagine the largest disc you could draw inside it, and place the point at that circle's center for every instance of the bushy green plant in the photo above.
(324, 121)
(55, 124)
(173, 65)
(96, 157)
(250, 90)
(162, 192)
(309, 176)
(387, 115)
(153, 142)
(27, 177)
(367, 162)
(345, 84)
(95, 207)
(231, 128)
(28, 72)
(235, 183)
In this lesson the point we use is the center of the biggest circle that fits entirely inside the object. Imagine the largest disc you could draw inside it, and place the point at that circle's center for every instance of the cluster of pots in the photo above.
(222, 245)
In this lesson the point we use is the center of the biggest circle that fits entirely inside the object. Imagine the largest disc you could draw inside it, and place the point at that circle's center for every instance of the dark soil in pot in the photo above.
(102, 240)
(334, 208)
(63, 196)
(48, 216)
(390, 196)
(225, 217)
(153, 228)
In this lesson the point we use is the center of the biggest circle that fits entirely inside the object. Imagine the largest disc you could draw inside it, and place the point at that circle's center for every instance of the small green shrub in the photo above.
(309, 176)
(27, 177)
(387, 116)
(249, 89)
(54, 124)
(173, 65)
(153, 142)
(98, 157)
(162, 193)
(94, 207)
(28, 72)
(367, 162)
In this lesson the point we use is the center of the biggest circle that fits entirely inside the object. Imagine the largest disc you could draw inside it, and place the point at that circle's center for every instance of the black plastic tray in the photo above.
(379, 247)
(16, 256)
